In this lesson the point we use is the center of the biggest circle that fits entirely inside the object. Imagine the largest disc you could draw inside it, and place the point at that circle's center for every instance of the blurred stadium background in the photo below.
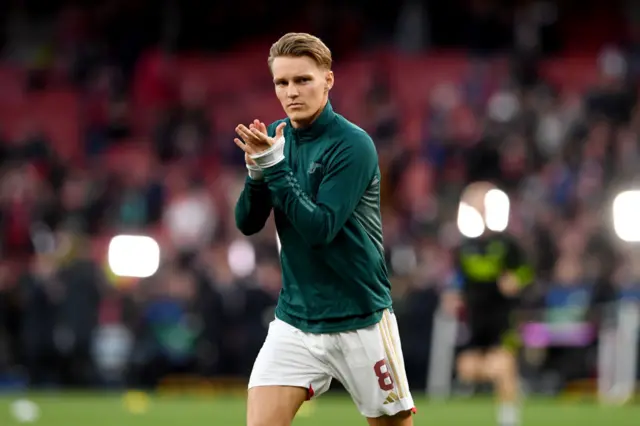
(121, 268)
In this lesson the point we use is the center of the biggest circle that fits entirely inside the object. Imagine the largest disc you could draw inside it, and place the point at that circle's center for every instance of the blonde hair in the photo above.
(299, 45)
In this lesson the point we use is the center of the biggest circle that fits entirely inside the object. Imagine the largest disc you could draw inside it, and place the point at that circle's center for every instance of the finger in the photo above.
(241, 129)
(247, 136)
(246, 148)
(280, 130)
(257, 124)
(262, 137)
(241, 145)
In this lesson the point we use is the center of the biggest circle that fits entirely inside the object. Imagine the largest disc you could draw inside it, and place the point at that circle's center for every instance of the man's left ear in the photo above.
(329, 81)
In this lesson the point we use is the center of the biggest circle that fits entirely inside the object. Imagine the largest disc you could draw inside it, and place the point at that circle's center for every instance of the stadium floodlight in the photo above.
(496, 210)
(483, 206)
(626, 206)
(133, 256)
(470, 222)
(241, 257)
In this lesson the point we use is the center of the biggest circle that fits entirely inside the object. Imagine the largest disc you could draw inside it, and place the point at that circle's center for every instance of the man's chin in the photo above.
(298, 116)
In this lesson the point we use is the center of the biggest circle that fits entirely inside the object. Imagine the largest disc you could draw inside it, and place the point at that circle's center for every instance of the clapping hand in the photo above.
(254, 139)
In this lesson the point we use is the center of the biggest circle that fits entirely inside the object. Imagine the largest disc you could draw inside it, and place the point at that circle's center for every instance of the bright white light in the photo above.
(133, 256)
(626, 207)
(470, 223)
(278, 242)
(496, 210)
(241, 258)
(25, 411)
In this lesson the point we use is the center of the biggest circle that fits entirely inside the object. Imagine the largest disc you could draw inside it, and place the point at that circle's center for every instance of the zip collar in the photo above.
(317, 127)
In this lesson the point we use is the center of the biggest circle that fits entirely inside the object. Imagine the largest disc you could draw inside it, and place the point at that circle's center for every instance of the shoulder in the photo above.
(352, 138)
(352, 133)
(511, 244)
(271, 128)
(508, 239)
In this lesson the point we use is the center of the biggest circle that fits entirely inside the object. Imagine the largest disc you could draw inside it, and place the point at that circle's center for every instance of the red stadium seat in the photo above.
(413, 77)
(57, 113)
(11, 84)
(575, 74)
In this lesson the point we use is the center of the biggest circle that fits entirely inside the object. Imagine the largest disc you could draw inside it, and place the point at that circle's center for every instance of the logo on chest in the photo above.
(314, 167)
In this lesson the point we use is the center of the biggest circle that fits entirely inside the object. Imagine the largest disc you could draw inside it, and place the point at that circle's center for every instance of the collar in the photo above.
(315, 129)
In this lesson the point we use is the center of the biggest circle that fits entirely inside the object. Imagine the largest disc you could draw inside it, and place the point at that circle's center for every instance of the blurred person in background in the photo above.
(41, 293)
(222, 297)
(491, 270)
(190, 215)
(10, 319)
(260, 305)
(169, 329)
(615, 95)
(82, 285)
(32, 147)
(184, 131)
(568, 302)
(320, 175)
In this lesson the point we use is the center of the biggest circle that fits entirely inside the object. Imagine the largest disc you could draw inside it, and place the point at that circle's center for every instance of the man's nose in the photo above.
(292, 91)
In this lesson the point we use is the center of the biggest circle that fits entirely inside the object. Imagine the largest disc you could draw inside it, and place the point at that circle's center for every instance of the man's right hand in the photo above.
(254, 171)
(250, 143)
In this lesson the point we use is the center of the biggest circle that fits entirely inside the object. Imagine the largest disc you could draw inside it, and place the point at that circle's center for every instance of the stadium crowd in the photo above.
(155, 156)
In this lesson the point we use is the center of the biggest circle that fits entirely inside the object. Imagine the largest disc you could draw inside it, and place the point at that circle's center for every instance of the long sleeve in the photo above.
(347, 175)
(516, 263)
(253, 207)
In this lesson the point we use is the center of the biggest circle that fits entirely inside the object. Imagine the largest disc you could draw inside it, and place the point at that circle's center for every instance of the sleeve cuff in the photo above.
(271, 156)
(255, 172)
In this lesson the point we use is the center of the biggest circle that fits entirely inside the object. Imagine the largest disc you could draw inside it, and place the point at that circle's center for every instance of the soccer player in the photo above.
(319, 175)
(491, 271)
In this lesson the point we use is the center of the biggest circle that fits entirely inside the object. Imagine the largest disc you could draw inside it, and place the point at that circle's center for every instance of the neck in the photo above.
(301, 124)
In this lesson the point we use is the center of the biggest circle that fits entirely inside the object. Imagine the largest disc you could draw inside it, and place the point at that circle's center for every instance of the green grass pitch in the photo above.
(337, 410)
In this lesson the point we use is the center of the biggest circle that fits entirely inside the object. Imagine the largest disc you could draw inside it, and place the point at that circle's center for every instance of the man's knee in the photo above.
(470, 367)
(403, 418)
(274, 405)
(500, 364)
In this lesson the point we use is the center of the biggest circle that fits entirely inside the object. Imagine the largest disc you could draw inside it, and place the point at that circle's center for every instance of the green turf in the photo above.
(67, 410)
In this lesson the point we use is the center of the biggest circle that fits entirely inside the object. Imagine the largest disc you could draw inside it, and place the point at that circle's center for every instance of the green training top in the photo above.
(325, 196)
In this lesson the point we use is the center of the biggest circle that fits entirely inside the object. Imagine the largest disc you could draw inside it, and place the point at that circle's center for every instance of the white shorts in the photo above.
(368, 362)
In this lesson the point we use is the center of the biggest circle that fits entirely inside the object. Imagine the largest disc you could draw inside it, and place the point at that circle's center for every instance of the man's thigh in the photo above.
(287, 360)
(370, 365)
(274, 405)
(500, 362)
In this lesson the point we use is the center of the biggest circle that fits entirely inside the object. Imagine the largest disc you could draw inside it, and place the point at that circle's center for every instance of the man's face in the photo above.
(301, 86)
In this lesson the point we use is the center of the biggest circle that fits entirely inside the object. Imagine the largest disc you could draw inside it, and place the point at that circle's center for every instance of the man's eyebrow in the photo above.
(295, 77)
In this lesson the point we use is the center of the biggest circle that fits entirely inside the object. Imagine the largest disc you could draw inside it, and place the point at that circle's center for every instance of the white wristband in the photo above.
(255, 172)
(271, 156)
